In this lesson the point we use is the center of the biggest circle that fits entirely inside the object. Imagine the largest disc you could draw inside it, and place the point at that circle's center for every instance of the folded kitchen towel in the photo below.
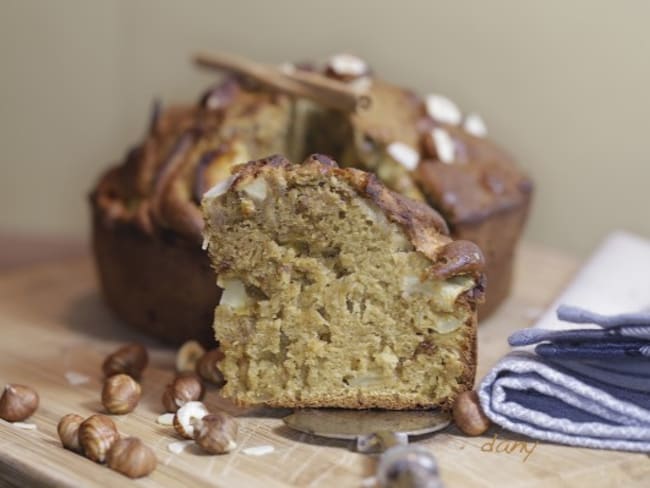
(598, 404)
(579, 377)
(619, 337)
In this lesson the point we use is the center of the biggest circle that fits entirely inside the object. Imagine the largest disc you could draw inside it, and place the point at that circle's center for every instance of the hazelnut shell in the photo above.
(120, 394)
(96, 436)
(131, 457)
(18, 402)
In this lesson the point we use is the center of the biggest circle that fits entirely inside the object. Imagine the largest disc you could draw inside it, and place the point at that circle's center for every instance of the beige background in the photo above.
(563, 84)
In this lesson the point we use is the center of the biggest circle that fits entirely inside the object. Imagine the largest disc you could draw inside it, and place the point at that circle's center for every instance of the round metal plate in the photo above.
(350, 424)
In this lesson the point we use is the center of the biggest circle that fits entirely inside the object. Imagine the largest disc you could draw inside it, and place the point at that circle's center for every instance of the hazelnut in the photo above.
(188, 355)
(120, 394)
(131, 457)
(186, 387)
(96, 436)
(17, 403)
(346, 67)
(468, 414)
(216, 433)
(130, 359)
(408, 465)
(186, 416)
(68, 430)
(438, 143)
(207, 367)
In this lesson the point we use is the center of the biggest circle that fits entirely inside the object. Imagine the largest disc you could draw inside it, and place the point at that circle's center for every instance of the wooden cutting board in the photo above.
(53, 322)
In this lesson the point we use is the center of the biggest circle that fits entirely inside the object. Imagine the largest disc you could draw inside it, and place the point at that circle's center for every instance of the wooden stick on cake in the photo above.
(329, 93)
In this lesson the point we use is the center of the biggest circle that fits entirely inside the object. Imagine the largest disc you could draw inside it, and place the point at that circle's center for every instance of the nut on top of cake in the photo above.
(337, 291)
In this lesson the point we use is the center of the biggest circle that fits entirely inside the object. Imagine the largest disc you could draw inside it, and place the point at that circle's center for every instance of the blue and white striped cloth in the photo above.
(585, 387)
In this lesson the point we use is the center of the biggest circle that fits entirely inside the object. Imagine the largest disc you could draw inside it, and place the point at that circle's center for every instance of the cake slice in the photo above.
(337, 291)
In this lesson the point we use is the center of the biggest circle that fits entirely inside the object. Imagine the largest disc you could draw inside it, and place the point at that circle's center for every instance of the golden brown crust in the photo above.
(424, 227)
(156, 191)
(428, 233)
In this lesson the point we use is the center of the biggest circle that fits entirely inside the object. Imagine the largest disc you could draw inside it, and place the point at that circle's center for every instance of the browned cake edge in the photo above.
(429, 234)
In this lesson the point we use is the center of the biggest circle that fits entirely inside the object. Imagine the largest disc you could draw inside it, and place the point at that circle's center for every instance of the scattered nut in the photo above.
(442, 109)
(186, 387)
(76, 379)
(207, 367)
(404, 155)
(131, 457)
(346, 67)
(188, 355)
(186, 416)
(68, 430)
(258, 450)
(475, 125)
(440, 144)
(216, 433)
(178, 446)
(468, 414)
(165, 419)
(408, 465)
(130, 359)
(96, 436)
(120, 394)
(17, 403)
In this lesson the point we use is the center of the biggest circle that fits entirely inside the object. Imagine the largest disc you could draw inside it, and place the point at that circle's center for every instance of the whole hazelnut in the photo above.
(96, 436)
(207, 367)
(131, 457)
(468, 414)
(17, 403)
(188, 356)
(68, 430)
(216, 433)
(120, 394)
(130, 359)
(186, 417)
(186, 387)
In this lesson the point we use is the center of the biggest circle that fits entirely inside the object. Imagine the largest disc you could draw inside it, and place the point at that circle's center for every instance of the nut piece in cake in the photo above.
(339, 292)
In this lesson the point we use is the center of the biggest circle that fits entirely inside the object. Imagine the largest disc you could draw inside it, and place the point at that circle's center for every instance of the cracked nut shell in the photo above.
(216, 433)
(187, 416)
(188, 356)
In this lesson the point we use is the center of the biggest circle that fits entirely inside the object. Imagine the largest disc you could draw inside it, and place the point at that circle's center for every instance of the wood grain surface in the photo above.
(53, 321)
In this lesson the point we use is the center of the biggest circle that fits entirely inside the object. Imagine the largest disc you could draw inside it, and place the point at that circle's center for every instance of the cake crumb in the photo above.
(165, 419)
(75, 379)
(258, 450)
(369, 482)
(178, 447)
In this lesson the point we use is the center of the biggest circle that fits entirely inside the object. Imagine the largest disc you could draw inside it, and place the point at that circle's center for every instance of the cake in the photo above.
(338, 292)
(147, 223)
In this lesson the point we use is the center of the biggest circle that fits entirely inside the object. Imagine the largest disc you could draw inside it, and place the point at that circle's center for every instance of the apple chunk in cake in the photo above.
(337, 291)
